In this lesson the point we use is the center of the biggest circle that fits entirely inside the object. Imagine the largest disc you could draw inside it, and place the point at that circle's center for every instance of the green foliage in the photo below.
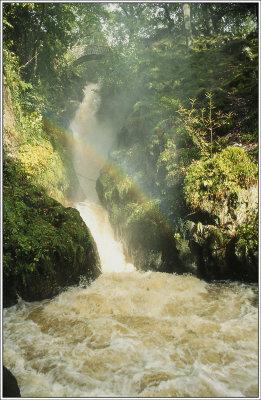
(39, 145)
(10, 63)
(213, 179)
(169, 75)
(38, 231)
(201, 124)
(247, 236)
(46, 31)
(146, 82)
(127, 204)
(45, 167)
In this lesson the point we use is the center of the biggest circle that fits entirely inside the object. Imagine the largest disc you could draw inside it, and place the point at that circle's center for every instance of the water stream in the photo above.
(129, 333)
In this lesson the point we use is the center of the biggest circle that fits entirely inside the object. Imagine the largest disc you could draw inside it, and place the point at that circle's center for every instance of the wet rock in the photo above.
(222, 252)
(10, 386)
(47, 247)
(148, 241)
(219, 242)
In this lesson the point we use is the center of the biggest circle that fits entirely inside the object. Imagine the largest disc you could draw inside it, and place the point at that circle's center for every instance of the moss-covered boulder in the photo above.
(222, 194)
(217, 235)
(146, 235)
(46, 246)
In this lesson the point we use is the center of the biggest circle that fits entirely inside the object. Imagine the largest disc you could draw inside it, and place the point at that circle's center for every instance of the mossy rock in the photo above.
(147, 237)
(219, 254)
(46, 246)
(211, 182)
(223, 194)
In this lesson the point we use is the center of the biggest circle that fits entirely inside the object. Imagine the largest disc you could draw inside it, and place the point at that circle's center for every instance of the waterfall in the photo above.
(89, 152)
(131, 333)
(92, 142)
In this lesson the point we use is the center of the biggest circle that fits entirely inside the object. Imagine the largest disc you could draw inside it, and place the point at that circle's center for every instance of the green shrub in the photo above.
(247, 236)
(45, 166)
(216, 178)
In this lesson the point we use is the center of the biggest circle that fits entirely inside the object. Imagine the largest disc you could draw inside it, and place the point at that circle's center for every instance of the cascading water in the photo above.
(92, 142)
(130, 333)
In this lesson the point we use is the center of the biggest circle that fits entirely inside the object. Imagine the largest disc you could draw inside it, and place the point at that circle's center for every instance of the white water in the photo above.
(130, 333)
(92, 143)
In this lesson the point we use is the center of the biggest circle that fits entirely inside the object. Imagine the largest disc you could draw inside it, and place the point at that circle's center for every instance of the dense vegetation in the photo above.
(181, 82)
(187, 153)
(46, 246)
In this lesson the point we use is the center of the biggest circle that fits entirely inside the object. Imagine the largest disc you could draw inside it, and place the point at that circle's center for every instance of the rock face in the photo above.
(229, 249)
(222, 193)
(46, 246)
(10, 386)
(67, 264)
(75, 255)
(219, 241)
(148, 240)
(150, 247)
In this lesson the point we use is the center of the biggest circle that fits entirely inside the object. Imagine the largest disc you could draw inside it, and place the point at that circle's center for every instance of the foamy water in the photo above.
(132, 334)
(136, 334)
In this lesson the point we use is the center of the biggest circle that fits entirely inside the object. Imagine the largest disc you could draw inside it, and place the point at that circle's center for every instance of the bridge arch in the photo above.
(84, 53)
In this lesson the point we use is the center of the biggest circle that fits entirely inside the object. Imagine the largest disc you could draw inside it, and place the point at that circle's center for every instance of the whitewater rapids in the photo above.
(138, 335)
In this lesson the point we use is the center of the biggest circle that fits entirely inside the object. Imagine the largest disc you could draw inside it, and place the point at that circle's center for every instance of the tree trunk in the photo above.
(37, 38)
(208, 17)
(187, 23)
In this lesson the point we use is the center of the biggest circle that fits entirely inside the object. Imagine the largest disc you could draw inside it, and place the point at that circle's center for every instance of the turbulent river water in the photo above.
(131, 333)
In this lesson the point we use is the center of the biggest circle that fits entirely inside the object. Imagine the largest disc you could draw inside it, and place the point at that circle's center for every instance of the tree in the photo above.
(201, 124)
(41, 33)
(187, 24)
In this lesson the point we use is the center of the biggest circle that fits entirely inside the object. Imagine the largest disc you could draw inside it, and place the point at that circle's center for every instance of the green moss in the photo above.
(38, 231)
(45, 167)
(247, 237)
(39, 144)
(215, 179)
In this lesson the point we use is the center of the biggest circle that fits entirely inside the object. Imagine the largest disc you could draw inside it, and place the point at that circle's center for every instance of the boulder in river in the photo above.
(47, 246)
(10, 386)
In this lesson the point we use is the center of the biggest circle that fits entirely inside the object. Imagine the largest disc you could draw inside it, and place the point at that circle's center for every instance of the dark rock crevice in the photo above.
(10, 386)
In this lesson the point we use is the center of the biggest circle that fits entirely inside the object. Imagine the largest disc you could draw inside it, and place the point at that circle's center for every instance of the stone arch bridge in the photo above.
(81, 54)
